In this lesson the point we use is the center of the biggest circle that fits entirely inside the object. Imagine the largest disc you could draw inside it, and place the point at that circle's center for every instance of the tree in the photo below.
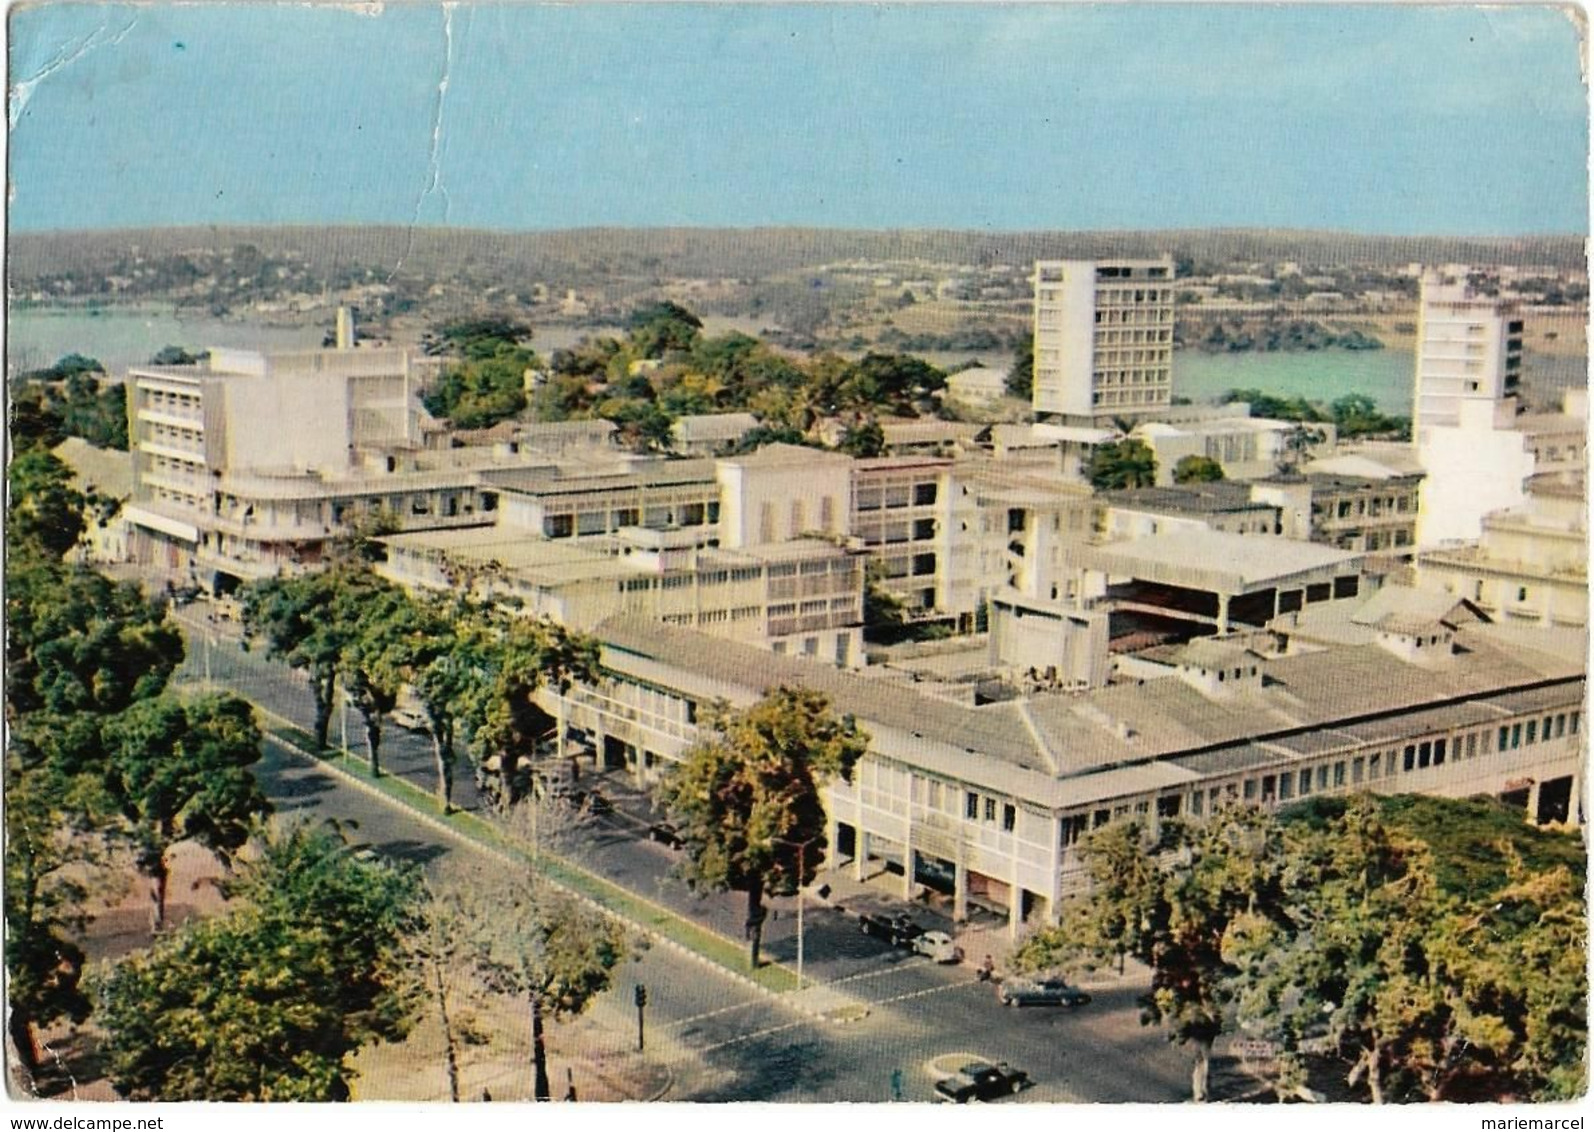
(47, 862)
(540, 945)
(863, 438)
(439, 655)
(1121, 464)
(746, 799)
(179, 771)
(896, 381)
(1021, 377)
(500, 708)
(44, 512)
(661, 328)
(1432, 981)
(1197, 469)
(437, 942)
(1172, 913)
(296, 618)
(177, 356)
(371, 615)
(266, 1001)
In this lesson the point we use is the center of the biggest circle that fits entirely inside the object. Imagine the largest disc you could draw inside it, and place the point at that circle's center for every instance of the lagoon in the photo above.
(1317, 375)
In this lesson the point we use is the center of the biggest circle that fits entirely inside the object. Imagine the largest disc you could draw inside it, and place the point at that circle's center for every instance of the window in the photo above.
(1424, 754)
(1374, 764)
(971, 805)
(1574, 718)
(1286, 786)
(1505, 738)
(1250, 789)
(1516, 736)
(990, 809)
(1560, 725)
(1269, 787)
(1357, 770)
(1410, 762)
(1306, 783)
(1009, 817)
(1544, 728)
(1196, 803)
(1439, 752)
(1533, 731)
(1339, 774)
(1472, 745)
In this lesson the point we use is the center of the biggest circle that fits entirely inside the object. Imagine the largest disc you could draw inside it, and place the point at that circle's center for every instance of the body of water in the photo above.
(129, 336)
(1318, 375)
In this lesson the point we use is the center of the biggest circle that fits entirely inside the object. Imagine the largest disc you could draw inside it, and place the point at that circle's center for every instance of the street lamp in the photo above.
(802, 868)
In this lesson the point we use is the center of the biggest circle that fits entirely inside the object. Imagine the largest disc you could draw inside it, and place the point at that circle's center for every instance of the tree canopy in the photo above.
(266, 1002)
(1197, 469)
(746, 799)
(1121, 464)
(1417, 943)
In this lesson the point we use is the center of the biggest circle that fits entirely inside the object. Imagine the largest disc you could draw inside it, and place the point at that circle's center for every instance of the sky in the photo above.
(1381, 119)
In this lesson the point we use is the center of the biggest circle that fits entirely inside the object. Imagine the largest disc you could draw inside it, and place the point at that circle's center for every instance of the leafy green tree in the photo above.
(1021, 377)
(863, 438)
(1172, 913)
(44, 513)
(746, 797)
(177, 356)
(1120, 464)
(1197, 469)
(476, 338)
(372, 616)
(179, 771)
(884, 615)
(47, 863)
(266, 1002)
(662, 328)
(296, 618)
(535, 943)
(899, 382)
(518, 657)
(439, 654)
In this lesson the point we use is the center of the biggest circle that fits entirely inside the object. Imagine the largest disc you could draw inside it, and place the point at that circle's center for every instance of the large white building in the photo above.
(1469, 350)
(1103, 338)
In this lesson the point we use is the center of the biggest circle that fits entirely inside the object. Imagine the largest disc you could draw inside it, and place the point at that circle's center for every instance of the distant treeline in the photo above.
(512, 258)
(1273, 335)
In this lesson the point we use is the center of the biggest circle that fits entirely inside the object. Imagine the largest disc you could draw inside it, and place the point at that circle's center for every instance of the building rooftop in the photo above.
(559, 481)
(1206, 498)
(1212, 560)
(107, 471)
(710, 428)
(786, 455)
(1074, 749)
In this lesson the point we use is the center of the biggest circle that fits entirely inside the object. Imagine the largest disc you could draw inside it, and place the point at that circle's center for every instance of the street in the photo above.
(723, 1039)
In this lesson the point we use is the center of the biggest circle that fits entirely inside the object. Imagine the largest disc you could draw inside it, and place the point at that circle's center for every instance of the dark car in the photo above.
(666, 834)
(981, 1081)
(898, 930)
(1040, 992)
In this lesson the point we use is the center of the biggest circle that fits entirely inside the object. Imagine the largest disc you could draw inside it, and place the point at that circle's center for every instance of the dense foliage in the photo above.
(1433, 950)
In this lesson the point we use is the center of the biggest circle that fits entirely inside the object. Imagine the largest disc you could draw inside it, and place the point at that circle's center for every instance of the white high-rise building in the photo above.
(1103, 338)
(1469, 349)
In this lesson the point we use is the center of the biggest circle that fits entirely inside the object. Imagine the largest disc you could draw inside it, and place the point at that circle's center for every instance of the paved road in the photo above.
(726, 1041)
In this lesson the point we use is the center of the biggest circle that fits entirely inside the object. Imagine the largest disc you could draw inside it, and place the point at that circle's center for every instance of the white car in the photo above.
(938, 946)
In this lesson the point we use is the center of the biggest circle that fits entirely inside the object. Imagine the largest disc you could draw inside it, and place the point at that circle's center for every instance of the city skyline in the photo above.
(1001, 118)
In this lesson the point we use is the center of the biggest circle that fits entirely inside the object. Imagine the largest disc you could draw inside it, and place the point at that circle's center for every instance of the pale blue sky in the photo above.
(1379, 119)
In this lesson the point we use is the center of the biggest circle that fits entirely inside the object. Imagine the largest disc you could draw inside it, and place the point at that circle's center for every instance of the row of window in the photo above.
(609, 520)
(1121, 357)
(873, 498)
(1135, 316)
(1133, 337)
(1128, 397)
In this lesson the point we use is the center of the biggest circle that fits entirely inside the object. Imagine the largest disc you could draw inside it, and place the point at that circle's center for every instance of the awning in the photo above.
(176, 528)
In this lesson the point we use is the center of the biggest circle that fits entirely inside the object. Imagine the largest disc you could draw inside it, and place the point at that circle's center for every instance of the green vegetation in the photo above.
(1121, 464)
(487, 381)
(70, 398)
(266, 1001)
(1197, 469)
(1431, 949)
(746, 798)
(1021, 377)
(1272, 335)
(1352, 415)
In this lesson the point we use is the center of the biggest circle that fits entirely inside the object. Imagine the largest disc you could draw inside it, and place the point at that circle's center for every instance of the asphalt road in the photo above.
(724, 1040)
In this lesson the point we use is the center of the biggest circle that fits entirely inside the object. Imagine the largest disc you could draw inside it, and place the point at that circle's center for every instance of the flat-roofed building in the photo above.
(1220, 506)
(1531, 562)
(1469, 350)
(1103, 338)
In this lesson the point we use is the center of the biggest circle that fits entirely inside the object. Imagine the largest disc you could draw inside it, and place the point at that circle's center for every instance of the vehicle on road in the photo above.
(981, 1081)
(666, 835)
(1040, 992)
(937, 946)
(898, 930)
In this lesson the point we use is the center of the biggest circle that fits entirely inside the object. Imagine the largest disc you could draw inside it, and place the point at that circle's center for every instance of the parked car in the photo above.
(666, 834)
(898, 930)
(938, 946)
(981, 1081)
(1040, 992)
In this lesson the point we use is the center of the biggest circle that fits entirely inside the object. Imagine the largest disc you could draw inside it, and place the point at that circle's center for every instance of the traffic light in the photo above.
(641, 996)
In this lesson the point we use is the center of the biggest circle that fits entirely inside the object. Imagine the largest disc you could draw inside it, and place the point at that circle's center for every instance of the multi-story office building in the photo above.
(1469, 349)
(1103, 338)
(246, 465)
